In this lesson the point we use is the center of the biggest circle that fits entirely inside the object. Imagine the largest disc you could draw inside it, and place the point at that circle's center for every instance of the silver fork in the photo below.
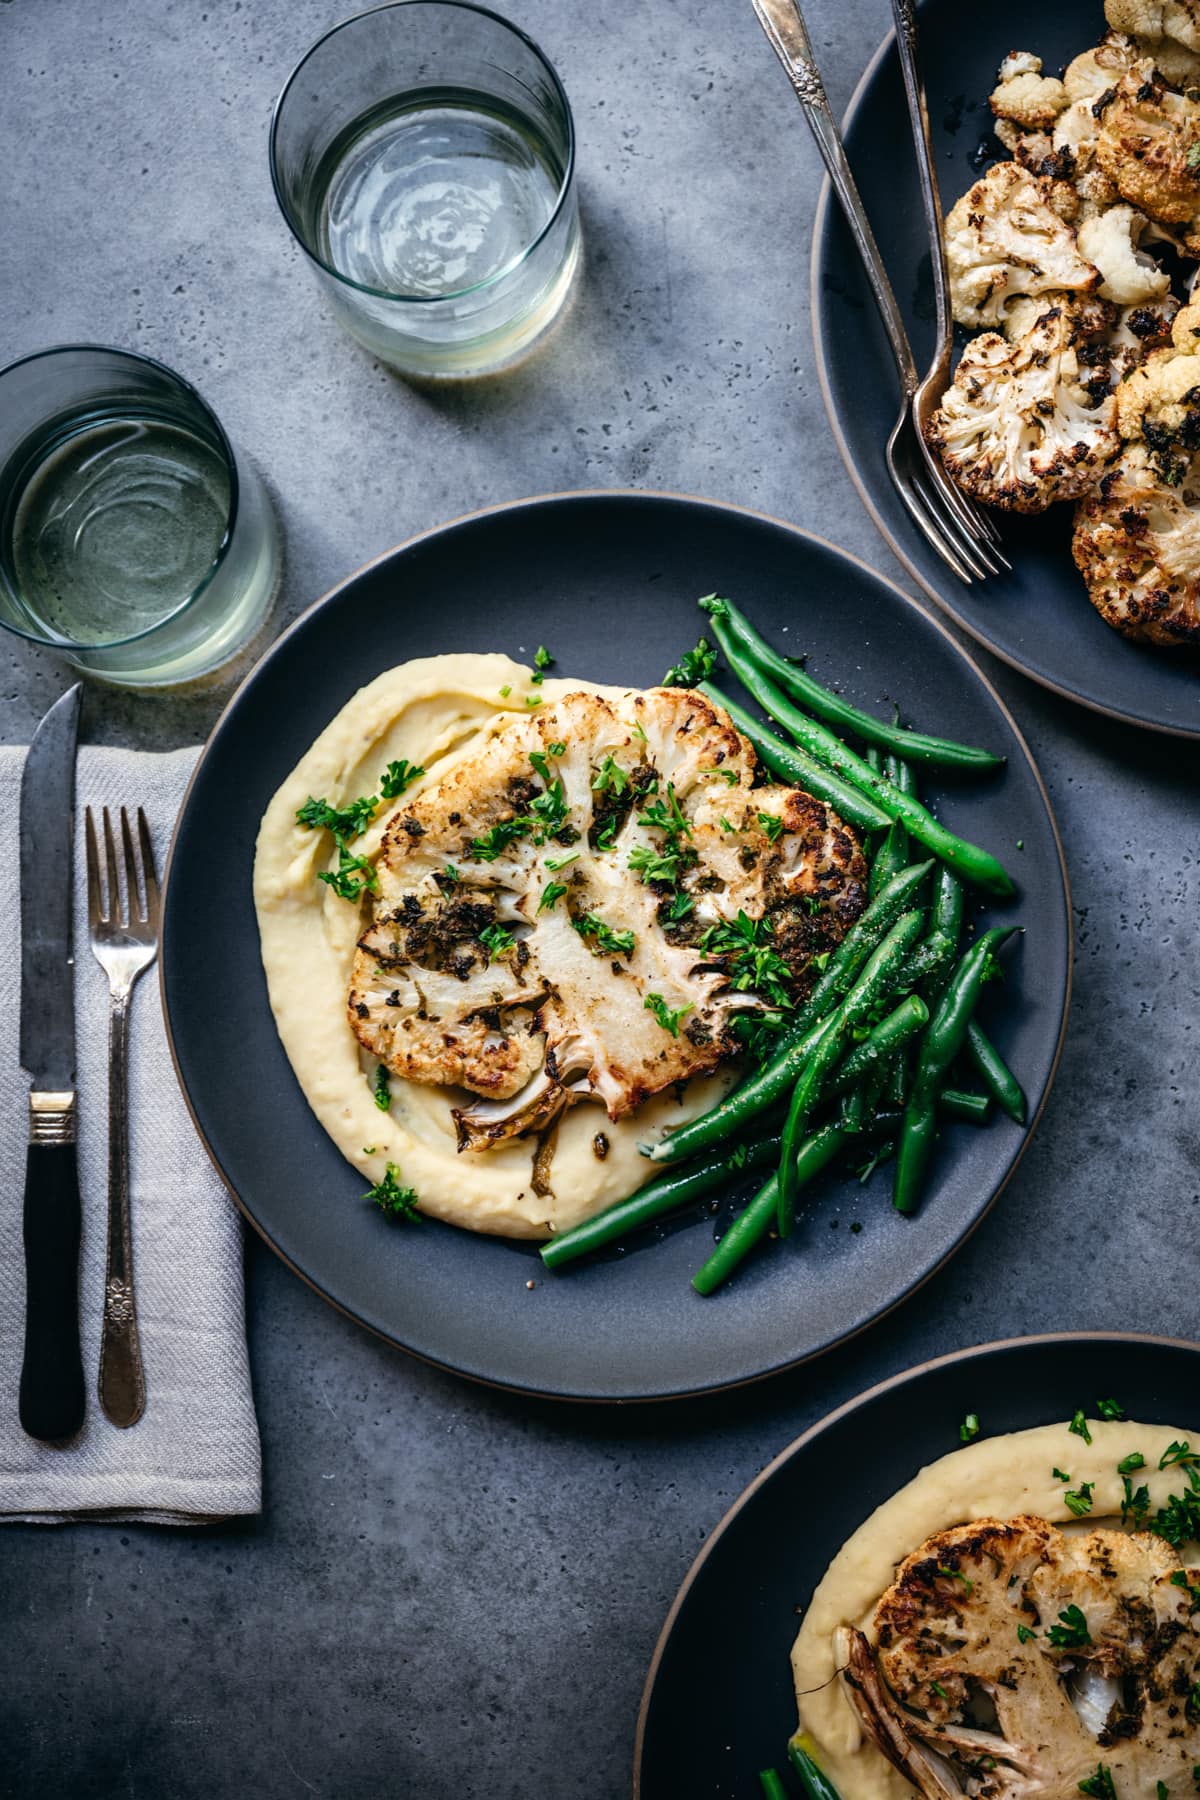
(928, 395)
(124, 936)
(950, 524)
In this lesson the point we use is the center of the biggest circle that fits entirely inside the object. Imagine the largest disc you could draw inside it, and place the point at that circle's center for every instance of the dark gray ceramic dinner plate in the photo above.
(718, 1703)
(1039, 618)
(609, 581)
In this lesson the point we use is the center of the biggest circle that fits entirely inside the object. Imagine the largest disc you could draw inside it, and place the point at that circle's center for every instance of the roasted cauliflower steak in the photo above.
(1010, 234)
(547, 922)
(1012, 1659)
(1136, 543)
(1028, 422)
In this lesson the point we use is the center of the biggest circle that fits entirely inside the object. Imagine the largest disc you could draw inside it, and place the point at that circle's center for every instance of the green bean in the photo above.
(899, 1074)
(968, 860)
(664, 1195)
(771, 1783)
(790, 764)
(871, 1056)
(755, 1220)
(874, 758)
(901, 775)
(813, 1779)
(995, 1073)
(930, 961)
(913, 745)
(772, 1081)
(939, 1047)
(891, 856)
(957, 1104)
(879, 977)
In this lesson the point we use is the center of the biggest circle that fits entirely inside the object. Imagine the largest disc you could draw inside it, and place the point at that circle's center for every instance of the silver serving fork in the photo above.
(124, 937)
(951, 524)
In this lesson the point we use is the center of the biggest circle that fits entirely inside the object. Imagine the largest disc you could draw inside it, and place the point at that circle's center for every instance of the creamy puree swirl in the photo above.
(998, 1478)
(434, 711)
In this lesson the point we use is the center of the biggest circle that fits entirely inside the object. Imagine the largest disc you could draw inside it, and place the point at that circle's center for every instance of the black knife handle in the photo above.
(52, 1395)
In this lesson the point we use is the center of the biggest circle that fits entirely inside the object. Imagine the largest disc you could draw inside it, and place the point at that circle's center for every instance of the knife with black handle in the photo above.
(51, 1396)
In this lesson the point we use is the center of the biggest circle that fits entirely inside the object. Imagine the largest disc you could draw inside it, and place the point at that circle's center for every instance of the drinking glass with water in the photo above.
(134, 539)
(424, 156)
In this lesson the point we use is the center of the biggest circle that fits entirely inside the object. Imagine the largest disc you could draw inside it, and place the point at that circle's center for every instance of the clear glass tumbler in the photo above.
(134, 539)
(423, 155)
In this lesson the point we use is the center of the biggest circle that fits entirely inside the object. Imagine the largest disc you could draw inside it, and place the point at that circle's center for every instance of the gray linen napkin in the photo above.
(194, 1455)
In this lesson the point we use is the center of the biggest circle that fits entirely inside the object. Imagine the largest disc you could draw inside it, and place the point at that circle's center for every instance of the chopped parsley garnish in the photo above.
(758, 1032)
(352, 877)
(542, 661)
(955, 1575)
(1162, 1790)
(383, 1088)
(1178, 1522)
(936, 1687)
(652, 864)
(1080, 1499)
(497, 942)
(548, 812)
(606, 835)
(665, 815)
(1128, 1464)
(693, 668)
(533, 699)
(606, 941)
(638, 732)
(681, 905)
(969, 1428)
(505, 691)
(560, 862)
(1110, 1409)
(1079, 1426)
(392, 1198)
(1134, 1506)
(1179, 1579)
(667, 1019)
(755, 967)
(723, 822)
(398, 776)
(771, 825)
(1178, 1453)
(552, 893)
(727, 775)
(1025, 1635)
(1100, 1785)
(495, 842)
(1071, 1632)
(1059, 1475)
(610, 777)
(344, 822)
(451, 875)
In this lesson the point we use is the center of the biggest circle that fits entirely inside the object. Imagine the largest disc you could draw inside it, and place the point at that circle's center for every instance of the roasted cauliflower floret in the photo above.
(1095, 71)
(1149, 147)
(1129, 276)
(1137, 545)
(1159, 401)
(567, 915)
(1021, 425)
(1009, 235)
(1167, 30)
(1026, 96)
(1137, 331)
(1011, 1659)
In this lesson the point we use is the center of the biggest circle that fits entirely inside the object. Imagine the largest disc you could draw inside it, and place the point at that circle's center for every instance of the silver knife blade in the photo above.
(47, 837)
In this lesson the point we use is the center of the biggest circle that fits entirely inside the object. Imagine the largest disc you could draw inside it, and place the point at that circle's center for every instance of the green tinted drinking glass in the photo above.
(134, 539)
(423, 154)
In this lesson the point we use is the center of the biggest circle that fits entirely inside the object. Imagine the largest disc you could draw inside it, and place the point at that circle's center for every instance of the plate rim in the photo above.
(641, 496)
(847, 1407)
(895, 543)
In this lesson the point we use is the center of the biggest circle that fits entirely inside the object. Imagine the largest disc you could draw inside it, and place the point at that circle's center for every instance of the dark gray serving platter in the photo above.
(718, 1703)
(1039, 618)
(609, 582)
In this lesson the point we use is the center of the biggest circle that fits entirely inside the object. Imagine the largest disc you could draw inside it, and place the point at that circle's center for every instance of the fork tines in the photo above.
(133, 906)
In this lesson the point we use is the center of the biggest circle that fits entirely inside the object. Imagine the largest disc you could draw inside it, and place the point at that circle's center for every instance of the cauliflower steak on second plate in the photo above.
(582, 909)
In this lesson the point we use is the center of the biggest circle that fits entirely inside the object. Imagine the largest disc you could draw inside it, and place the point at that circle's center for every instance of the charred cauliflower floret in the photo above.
(1009, 235)
(1149, 147)
(1129, 275)
(581, 909)
(1022, 425)
(1159, 401)
(1167, 30)
(1136, 332)
(1137, 545)
(1012, 1659)
(1024, 95)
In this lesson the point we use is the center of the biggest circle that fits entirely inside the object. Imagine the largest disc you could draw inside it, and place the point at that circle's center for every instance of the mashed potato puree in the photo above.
(998, 1478)
(434, 711)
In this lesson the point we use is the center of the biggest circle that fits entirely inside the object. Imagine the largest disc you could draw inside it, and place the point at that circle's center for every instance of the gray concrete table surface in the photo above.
(452, 1592)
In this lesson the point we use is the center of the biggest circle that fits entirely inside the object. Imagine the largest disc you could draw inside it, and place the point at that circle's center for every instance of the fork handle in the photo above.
(783, 22)
(904, 13)
(51, 1399)
(122, 1384)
